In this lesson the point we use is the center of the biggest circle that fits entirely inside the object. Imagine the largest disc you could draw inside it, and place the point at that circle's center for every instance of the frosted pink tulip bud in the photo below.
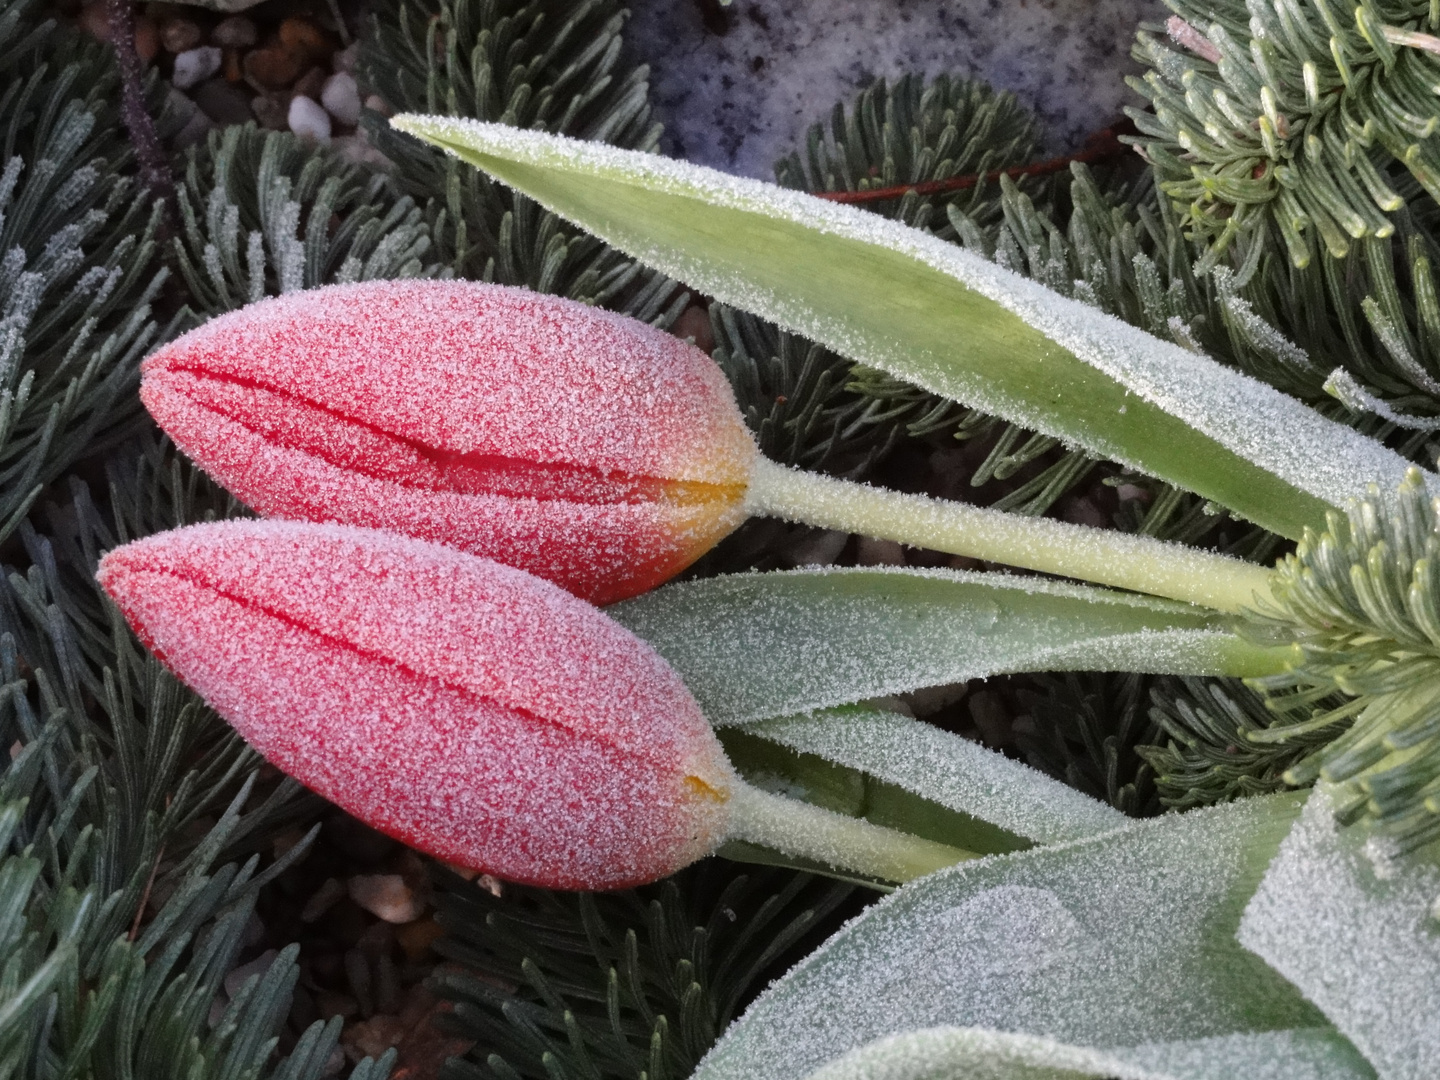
(464, 707)
(595, 451)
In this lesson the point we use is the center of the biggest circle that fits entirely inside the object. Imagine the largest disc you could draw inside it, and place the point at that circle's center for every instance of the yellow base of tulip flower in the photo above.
(1102, 556)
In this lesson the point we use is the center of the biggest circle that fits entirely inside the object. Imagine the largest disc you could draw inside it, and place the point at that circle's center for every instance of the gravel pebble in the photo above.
(308, 120)
(386, 896)
(269, 110)
(236, 32)
(341, 98)
(235, 977)
(194, 66)
(223, 102)
(180, 35)
(272, 68)
(330, 893)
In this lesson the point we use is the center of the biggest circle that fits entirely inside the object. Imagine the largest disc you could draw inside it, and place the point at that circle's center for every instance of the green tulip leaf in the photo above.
(755, 646)
(943, 769)
(944, 319)
(980, 1054)
(1355, 931)
(1119, 939)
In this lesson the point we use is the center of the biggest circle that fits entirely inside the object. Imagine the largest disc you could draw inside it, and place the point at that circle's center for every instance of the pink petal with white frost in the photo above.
(465, 707)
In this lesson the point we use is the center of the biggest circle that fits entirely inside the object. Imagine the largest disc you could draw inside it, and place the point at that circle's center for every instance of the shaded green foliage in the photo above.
(263, 214)
(634, 985)
(78, 266)
(548, 66)
(129, 819)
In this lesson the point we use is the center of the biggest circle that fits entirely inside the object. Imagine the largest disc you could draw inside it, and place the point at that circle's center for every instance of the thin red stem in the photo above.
(1103, 146)
(149, 153)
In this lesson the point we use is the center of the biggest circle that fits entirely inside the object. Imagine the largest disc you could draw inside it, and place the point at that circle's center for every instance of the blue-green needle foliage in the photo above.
(1362, 601)
(1312, 115)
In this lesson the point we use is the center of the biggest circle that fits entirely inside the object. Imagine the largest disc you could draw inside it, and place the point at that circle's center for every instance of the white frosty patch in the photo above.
(1365, 950)
(948, 770)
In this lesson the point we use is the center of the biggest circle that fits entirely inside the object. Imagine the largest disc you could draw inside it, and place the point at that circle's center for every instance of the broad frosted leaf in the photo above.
(752, 646)
(1123, 938)
(945, 319)
(946, 769)
(1365, 950)
(981, 1054)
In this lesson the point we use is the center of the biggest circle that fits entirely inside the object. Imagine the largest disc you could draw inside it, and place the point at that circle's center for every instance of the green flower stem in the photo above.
(1102, 556)
(844, 843)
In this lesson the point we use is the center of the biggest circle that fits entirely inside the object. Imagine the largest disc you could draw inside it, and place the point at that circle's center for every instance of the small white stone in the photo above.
(386, 896)
(194, 66)
(235, 978)
(341, 98)
(308, 120)
(346, 58)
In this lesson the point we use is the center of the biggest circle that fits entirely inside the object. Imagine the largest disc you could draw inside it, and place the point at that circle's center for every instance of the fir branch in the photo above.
(526, 64)
(78, 267)
(263, 214)
(1291, 116)
(1363, 604)
(618, 986)
(1089, 729)
(153, 160)
(1210, 756)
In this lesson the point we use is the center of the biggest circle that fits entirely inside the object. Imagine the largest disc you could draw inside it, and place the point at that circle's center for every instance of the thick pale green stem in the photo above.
(844, 843)
(1102, 556)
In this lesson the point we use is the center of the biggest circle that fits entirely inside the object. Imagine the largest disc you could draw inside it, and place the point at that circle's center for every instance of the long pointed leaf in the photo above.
(1124, 938)
(754, 646)
(981, 1054)
(946, 769)
(945, 319)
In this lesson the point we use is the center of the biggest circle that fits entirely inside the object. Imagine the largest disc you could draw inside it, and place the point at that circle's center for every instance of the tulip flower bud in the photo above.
(464, 707)
(587, 448)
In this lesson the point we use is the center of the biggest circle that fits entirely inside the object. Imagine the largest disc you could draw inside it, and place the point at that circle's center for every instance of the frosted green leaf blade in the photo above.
(1120, 939)
(946, 769)
(1364, 949)
(944, 319)
(980, 1054)
(753, 646)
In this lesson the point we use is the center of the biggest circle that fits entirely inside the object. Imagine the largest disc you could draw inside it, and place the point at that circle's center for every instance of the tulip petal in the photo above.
(462, 706)
(592, 450)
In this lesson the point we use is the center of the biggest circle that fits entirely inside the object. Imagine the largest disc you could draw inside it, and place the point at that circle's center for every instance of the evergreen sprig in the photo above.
(258, 212)
(1362, 601)
(1210, 756)
(78, 266)
(532, 65)
(1309, 116)
(1090, 729)
(631, 985)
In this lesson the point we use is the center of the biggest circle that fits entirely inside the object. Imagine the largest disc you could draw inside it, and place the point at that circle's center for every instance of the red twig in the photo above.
(149, 154)
(145, 895)
(1103, 146)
